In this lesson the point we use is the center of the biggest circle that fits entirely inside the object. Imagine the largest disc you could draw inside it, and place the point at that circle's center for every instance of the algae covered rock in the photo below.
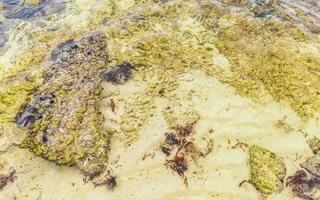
(312, 165)
(62, 115)
(267, 170)
(314, 144)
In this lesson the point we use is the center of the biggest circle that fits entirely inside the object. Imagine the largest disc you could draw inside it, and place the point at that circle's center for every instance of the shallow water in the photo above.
(244, 72)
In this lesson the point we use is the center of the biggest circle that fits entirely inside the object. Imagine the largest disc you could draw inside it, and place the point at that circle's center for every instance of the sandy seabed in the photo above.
(232, 119)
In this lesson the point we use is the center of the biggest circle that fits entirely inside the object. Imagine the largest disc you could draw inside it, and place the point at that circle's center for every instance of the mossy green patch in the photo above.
(137, 112)
(267, 170)
(13, 97)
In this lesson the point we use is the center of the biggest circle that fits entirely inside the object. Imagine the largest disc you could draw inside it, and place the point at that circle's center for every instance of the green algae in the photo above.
(275, 65)
(137, 112)
(267, 170)
(177, 114)
(12, 98)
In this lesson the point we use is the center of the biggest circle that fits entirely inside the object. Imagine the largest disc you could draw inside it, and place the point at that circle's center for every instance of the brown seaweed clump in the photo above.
(305, 183)
(62, 115)
(120, 74)
(179, 148)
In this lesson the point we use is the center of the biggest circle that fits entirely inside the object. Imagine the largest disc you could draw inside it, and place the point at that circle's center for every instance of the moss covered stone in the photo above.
(68, 127)
(314, 144)
(12, 97)
(267, 170)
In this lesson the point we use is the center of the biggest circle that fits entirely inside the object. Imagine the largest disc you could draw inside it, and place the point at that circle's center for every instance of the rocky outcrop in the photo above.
(62, 115)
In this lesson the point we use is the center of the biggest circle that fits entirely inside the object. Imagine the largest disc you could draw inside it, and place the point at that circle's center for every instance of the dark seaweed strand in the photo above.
(119, 74)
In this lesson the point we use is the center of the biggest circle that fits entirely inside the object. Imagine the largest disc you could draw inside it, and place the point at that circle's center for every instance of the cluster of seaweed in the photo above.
(178, 148)
(120, 74)
(138, 111)
(277, 66)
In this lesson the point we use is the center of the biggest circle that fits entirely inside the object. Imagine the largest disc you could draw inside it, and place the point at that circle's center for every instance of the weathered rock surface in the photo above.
(63, 116)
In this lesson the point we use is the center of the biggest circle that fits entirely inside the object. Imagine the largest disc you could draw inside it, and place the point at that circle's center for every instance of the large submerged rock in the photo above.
(62, 115)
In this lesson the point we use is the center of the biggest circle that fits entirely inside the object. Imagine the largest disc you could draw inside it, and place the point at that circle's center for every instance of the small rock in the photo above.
(53, 8)
(25, 13)
(267, 170)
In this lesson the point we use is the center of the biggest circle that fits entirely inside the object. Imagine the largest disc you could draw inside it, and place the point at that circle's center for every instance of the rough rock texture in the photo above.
(314, 144)
(267, 170)
(63, 116)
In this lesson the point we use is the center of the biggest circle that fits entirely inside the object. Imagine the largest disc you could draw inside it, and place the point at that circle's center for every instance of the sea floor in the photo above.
(191, 89)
